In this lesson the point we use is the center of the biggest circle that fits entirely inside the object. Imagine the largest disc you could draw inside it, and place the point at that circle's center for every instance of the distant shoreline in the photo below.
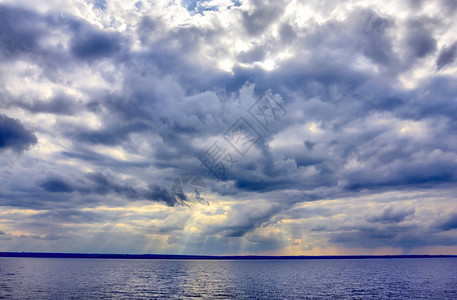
(207, 257)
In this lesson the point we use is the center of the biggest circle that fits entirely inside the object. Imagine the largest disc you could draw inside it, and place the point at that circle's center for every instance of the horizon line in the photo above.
(209, 257)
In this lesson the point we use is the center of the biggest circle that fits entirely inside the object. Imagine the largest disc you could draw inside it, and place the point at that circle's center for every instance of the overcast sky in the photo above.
(336, 122)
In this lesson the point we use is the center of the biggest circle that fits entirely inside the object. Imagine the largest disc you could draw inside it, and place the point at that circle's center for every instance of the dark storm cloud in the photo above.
(159, 193)
(90, 44)
(330, 50)
(106, 183)
(391, 236)
(350, 98)
(22, 36)
(177, 52)
(243, 219)
(113, 135)
(264, 243)
(373, 30)
(14, 136)
(305, 212)
(56, 185)
(70, 216)
(19, 31)
(434, 99)
(393, 173)
(447, 56)
(390, 215)
(420, 39)
(60, 105)
(448, 223)
(345, 92)
(309, 145)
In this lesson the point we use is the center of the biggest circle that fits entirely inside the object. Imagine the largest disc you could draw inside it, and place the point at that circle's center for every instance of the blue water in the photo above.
(47, 278)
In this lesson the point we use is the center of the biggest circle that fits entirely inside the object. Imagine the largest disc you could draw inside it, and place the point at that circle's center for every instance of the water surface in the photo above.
(70, 278)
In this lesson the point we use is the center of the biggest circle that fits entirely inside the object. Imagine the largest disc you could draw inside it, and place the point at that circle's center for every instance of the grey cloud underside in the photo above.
(142, 106)
(389, 215)
(420, 38)
(105, 184)
(265, 13)
(447, 56)
(398, 236)
(448, 223)
(347, 97)
(14, 136)
(171, 98)
(20, 30)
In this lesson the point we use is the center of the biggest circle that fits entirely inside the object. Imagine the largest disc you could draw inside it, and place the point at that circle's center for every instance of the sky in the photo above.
(228, 127)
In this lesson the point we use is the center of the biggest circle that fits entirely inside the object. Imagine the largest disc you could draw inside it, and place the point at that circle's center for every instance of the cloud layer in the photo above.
(104, 104)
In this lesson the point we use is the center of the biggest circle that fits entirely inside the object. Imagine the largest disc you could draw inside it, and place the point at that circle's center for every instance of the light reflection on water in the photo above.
(47, 278)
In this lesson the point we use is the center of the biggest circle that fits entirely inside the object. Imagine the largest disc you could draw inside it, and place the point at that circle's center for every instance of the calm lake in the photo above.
(72, 278)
